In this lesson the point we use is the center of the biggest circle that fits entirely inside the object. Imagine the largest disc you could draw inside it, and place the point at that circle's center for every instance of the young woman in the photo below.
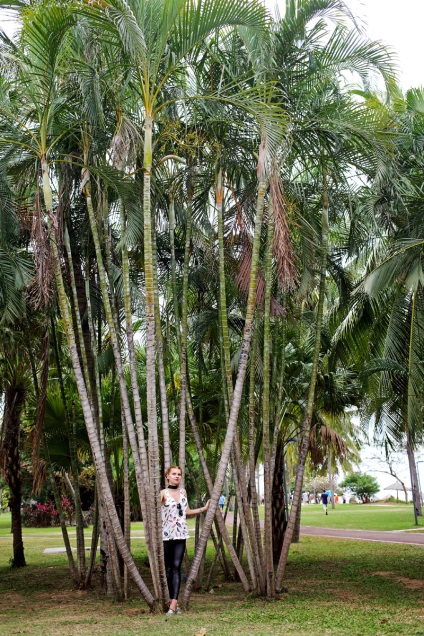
(174, 532)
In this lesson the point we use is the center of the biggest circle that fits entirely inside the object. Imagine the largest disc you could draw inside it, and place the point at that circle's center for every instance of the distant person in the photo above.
(221, 502)
(324, 501)
(344, 499)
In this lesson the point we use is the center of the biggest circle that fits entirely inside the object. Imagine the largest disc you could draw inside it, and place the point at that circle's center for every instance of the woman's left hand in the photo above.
(206, 506)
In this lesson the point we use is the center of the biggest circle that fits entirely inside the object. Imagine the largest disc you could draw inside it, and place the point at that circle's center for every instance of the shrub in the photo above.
(37, 515)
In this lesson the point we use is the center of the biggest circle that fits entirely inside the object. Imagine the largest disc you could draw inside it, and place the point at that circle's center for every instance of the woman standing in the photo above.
(174, 532)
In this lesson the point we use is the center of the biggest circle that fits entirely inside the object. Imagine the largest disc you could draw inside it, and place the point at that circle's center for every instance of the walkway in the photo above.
(411, 538)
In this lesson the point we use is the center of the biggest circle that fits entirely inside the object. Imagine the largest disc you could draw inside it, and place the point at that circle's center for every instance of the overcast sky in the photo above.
(398, 24)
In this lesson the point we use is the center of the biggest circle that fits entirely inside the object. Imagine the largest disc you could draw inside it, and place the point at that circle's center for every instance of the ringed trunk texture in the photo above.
(269, 564)
(85, 403)
(246, 522)
(237, 396)
(11, 464)
(154, 460)
(306, 423)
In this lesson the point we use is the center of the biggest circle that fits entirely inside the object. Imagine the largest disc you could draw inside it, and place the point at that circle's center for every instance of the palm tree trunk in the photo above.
(246, 523)
(252, 453)
(307, 418)
(174, 270)
(161, 365)
(14, 399)
(219, 519)
(184, 318)
(142, 482)
(84, 398)
(279, 505)
(70, 426)
(268, 551)
(238, 390)
(330, 477)
(416, 496)
(154, 460)
(127, 511)
(94, 541)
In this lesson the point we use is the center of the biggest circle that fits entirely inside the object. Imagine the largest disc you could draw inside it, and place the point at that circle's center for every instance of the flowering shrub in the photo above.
(37, 515)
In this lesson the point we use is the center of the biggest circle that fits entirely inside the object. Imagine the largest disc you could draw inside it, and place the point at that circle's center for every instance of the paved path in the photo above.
(411, 538)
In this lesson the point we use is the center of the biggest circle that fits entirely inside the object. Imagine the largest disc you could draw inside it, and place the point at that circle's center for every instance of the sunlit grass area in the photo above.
(361, 517)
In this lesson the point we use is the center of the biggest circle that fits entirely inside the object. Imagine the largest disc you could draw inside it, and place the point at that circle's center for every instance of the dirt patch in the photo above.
(411, 584)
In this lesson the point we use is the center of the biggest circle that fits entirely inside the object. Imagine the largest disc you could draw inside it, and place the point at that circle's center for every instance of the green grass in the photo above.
(336, 587)
(363, 517)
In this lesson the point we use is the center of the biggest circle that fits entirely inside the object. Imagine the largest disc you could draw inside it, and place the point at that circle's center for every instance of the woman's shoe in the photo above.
(171, 612)
(179, 610)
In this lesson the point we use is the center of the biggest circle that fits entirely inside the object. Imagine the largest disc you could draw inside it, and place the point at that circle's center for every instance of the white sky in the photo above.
(398, 24)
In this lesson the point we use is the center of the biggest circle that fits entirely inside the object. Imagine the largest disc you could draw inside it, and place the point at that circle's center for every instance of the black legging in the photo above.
(174, 554)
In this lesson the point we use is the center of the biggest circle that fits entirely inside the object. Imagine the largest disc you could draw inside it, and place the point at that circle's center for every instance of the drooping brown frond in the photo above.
(39, 477)
(331, 437)
(243, 278)
(41, 286)
(321, 439)
(125, 143)
(39, 469)
(284, 254)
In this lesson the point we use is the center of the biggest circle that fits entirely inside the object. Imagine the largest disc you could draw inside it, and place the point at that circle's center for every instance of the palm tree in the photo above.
(394, 277)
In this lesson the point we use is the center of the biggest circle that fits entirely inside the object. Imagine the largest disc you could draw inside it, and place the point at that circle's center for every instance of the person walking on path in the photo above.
(324, 501)
(175, 532)
(221, 502)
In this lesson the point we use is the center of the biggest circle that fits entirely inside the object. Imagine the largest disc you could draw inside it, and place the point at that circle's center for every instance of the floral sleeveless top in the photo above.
(174, 525)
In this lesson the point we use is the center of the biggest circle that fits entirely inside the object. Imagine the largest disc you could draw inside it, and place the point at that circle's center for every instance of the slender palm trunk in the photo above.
(95, 531)
(184, 328)
(252, 453)
(138, 451)
(416, 495)
(127, 510)
(154, 460)
(161, 365)
(279, 506)
(84, 398)
(176, 306)
(238, 390)
(269, 564)
(246, 523)
(219, 519)
(330, 477)
(11, 464)
(412, 359)
(307, 418)
(79, 522)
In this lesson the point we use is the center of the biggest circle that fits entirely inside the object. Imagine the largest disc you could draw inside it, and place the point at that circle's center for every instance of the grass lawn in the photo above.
(336, 587)
(361, 517)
